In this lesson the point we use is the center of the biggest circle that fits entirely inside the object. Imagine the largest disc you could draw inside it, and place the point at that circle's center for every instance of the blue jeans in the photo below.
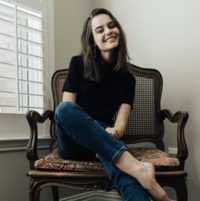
(81, 137)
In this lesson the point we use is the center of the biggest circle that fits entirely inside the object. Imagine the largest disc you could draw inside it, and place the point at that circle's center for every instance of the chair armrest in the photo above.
(181, 118)
(33, 118)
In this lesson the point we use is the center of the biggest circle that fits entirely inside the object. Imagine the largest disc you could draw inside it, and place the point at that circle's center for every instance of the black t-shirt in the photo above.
(102, 99)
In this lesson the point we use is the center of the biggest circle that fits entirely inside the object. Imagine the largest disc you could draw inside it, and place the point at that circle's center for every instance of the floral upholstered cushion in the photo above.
(160, 160)
(54, 162)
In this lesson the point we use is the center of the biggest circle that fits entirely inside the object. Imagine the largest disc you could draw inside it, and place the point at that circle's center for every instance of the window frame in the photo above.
(16, 140)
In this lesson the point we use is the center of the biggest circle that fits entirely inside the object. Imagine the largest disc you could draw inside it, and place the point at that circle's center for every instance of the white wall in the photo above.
(165, 35)
(69, 18)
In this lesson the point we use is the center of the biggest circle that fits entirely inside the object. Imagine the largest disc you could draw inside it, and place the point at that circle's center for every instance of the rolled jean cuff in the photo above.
(118, 154)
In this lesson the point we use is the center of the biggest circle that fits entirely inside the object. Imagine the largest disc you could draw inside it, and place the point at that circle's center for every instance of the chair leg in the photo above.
(34, 192)
(181, 194)
(181, 190)
(55, 193)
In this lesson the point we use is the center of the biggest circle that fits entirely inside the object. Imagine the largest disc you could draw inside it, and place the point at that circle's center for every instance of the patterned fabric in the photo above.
(54, 162)
(161, 161)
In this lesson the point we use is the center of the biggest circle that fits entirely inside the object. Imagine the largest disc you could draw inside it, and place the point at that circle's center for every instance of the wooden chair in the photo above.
(145, 124)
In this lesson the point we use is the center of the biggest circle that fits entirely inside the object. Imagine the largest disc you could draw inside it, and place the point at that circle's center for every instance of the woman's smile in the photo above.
(110, 39)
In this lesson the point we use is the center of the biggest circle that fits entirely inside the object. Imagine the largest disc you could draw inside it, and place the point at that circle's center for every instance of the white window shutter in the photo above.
(22, 64)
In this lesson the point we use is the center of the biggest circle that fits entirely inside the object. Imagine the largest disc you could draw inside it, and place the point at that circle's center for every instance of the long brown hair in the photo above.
(92, 70)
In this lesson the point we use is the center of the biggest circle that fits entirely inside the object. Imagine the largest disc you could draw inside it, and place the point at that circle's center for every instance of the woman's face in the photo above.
(105, 33)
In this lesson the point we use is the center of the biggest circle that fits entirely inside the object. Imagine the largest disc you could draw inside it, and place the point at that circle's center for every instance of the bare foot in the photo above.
(147, 180)
(149, 168)
(144, 173)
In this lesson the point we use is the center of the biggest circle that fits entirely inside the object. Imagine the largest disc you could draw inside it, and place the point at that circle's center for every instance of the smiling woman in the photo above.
(97, 85)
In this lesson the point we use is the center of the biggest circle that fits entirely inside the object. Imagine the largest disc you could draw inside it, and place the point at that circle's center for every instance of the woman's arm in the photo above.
(122, 118)
(69, 96)
(120, 125)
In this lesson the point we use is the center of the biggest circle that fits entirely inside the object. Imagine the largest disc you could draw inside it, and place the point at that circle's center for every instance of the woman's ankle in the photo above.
(128, 164)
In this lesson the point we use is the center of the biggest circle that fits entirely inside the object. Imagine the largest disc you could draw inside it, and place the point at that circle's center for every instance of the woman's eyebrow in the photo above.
(111, 22)
(107, 24)
(98, 27)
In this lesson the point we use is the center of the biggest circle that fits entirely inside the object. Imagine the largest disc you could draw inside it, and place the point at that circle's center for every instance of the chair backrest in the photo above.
(144, 124)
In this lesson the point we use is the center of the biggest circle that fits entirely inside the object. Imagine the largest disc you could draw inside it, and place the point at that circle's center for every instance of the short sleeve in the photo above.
(129, 92)
(72, 82)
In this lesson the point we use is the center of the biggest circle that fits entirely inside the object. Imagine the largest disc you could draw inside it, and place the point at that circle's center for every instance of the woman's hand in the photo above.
(97, 156)
(112, 131)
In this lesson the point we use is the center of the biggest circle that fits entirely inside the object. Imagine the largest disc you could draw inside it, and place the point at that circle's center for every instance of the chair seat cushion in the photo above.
(161, 161)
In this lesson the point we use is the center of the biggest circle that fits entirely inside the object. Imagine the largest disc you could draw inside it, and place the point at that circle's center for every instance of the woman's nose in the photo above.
(108, 31)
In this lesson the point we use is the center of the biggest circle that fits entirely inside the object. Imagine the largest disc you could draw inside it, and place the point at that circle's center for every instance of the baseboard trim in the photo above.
(19, 144)
(95, 196)
(78, 197)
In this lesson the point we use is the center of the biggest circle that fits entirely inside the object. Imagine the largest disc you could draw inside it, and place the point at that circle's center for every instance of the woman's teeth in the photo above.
(110, 39)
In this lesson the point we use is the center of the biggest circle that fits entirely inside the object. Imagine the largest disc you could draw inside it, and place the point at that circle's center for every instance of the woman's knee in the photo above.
(64, 109)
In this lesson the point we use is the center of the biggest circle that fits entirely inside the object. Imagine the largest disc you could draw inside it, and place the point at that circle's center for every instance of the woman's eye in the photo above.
(99, 31)
(112, 26)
